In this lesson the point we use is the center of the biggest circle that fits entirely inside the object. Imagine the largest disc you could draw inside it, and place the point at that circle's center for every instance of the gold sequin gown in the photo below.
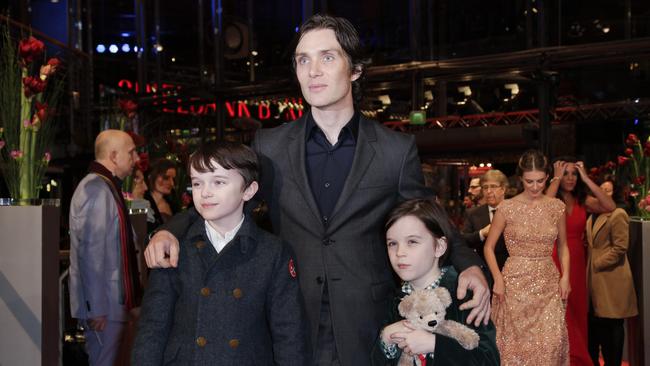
(530, 323)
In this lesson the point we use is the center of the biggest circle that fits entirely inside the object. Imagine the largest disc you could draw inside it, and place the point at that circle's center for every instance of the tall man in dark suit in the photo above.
(477, 220)
(329, 179)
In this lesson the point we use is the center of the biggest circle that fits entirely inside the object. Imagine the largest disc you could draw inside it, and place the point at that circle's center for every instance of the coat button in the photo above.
(200, 244)
(237, 293)
(205, 291)
(201, 341)
(328, 241)
(233, 343)
(319, 280)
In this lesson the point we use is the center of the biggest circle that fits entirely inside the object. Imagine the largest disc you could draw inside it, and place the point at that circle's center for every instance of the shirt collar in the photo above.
(407, 288)
(219, 241)
(351, 127)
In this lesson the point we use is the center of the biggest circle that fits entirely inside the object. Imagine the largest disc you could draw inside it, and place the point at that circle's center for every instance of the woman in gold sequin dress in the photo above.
(528, 302)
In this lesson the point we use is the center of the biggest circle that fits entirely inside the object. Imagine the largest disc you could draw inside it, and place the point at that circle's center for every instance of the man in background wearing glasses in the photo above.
(477, 220)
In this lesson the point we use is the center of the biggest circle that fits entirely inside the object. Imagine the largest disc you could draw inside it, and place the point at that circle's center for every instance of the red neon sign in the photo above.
(287, 109)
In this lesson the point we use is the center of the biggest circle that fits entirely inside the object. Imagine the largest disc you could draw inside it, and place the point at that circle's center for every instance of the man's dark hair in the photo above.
(229, 155)
(348, 38)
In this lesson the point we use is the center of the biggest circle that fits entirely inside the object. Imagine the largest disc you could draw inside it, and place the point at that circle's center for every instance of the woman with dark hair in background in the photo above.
(161, 185)
(609, 279)
(572, 185)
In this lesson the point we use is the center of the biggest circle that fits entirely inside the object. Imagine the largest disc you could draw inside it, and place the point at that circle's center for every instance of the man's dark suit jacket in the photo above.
(476, 219)
(350, 252)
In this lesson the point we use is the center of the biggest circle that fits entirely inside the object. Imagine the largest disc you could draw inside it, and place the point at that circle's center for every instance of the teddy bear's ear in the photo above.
(406, 305)
(443, 295)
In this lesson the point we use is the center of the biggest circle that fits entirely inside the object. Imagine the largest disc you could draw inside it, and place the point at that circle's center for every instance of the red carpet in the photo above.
(624, 363)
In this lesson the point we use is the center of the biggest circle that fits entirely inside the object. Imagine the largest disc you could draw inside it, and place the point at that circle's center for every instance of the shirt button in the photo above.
(201, 341)
(233, 343)
(237, 293)
(205, 291)
(327, 184)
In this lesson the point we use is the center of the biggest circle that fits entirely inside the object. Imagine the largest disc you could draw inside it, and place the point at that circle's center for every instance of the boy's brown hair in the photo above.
(229, 155)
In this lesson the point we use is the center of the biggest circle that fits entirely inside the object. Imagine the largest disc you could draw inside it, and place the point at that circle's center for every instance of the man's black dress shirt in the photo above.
(328, 165)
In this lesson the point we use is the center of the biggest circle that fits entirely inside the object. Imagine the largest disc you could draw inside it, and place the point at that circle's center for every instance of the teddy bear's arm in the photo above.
(466, 336)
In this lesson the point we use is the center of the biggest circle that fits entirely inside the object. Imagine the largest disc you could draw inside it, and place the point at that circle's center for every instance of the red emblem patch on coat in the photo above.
(292, 269)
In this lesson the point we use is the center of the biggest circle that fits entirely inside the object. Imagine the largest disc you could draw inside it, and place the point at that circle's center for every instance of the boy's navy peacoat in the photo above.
(240, 307)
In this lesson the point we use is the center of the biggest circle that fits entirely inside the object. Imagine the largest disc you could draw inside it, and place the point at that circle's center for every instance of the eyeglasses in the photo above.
(487, 187)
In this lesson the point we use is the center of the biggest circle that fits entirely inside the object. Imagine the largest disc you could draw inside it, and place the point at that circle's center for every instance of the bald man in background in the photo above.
(103, 279)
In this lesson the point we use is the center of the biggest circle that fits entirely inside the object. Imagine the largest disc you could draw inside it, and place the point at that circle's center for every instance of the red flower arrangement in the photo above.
(29, 99)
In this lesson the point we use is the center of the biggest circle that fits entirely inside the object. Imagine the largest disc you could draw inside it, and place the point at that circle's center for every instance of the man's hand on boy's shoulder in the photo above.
(162, 250)
(473, 279)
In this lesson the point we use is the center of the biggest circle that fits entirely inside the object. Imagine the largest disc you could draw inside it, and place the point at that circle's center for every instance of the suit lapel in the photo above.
(296, 153)
(600, 222)
(363, 155)
(485, 216)
(201, 245)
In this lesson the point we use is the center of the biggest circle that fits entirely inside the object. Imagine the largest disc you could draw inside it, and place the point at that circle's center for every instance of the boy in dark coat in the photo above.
(234, 298)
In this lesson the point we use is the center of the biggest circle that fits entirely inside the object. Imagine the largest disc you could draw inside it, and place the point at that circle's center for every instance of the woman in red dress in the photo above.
(571, 184)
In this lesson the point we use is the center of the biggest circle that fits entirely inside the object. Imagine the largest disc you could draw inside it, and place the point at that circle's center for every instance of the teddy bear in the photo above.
(425, 309)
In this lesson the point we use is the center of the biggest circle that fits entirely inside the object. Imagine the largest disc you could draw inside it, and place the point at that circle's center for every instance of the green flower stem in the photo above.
(31, 163)
(25, 137)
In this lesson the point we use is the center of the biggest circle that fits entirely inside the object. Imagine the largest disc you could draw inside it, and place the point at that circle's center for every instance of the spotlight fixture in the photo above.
(112, 48)
(465, 90)
(101, 48)
(126, 48)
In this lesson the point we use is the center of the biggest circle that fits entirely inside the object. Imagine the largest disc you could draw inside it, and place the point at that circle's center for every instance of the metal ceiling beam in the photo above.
(559, 57)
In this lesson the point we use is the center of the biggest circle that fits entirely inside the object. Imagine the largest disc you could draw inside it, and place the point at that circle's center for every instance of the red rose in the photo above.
(639, 180)
(54, 62)
(41, 111)
(622, 160)
(128, 107)
(610, 165)
(594, 171)
(631, 139)
(186, 199)
(41, 114)
(138, 140)
(33, 85)
(50, 68)
(143, 163)
(29, 49)
(629, 152)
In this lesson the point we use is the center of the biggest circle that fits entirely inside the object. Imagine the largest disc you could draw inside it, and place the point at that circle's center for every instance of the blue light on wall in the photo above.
(112, 48)
(126, 48)
(101, 48)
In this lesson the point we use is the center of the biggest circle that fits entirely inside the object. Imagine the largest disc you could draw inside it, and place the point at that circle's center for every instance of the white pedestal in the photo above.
(29, 271)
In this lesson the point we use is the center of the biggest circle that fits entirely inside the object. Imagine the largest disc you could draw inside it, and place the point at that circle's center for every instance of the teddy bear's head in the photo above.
(425, 308)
